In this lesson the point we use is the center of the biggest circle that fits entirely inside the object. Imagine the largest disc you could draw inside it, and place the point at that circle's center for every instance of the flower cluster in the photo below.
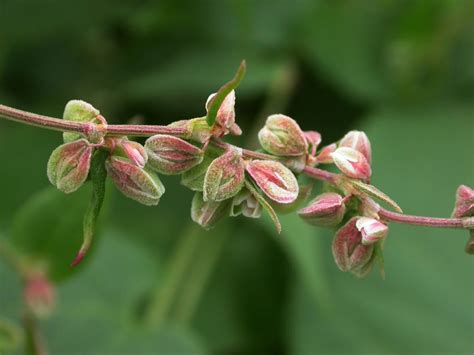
(230, 181)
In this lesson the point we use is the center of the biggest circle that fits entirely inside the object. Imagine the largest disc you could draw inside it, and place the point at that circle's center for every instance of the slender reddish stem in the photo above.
(320, 174)
(58, 124)
(422, 221)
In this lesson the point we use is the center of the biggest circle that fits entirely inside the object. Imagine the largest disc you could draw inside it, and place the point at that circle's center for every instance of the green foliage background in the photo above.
(403, 71)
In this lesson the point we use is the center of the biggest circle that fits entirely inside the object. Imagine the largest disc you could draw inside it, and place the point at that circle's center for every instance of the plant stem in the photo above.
(320, 174)
(423, 221)
(57, 124)
(34, 341)
(166, 292)
(459, 223)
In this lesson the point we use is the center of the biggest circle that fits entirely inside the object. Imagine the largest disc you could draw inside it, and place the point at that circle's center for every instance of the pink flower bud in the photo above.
(225, 118)
(68, 165)
(208, 213)
(171, 155)
(282, 136)
(352, 163)
(275, 180)
(348, 251)
(359, 141)
(371, 229)
(225, 176)
(325, 210)
(313, 139)
(134, 182)
(464, 206)
(324, 156)
(39, 294)
(131, 150)
(246, 204)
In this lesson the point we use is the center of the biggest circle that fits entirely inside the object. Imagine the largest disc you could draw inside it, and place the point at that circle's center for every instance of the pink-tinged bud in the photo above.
(208, 213)
(81, 111)
(359, 141)
(347, 248)
(39, 294)
(325, 210)
(282, 136)
(352, 163)
(313, 139)
(225, 118)
(225, 176)
(171, 155)
(246, 204)
(68, 165)
(134, 182)
(369, 208)
(464, 206)
(371, 229)
(324, 156)
(275, 180)
(131, 150)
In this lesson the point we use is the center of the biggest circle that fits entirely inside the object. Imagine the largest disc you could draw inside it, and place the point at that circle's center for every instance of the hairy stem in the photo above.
(57, 124)
(423, 221)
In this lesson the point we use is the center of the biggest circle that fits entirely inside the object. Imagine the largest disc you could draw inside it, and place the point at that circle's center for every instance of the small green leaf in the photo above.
(98, 175)
(221, 94)
(49, 228)
(264, 204)
(372, 191)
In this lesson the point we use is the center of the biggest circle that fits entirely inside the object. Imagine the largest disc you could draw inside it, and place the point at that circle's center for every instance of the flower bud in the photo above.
(325, 210)
(352, 163)
(359, 141)
(464, 206)
(313, 139)
(225, 118)
(246, 204)
(134, 182)
(225, 176)
(208, 213)
(39, 294)
(347, 248)
(194, 177)
(282, 136)
(324, 156)
(68, 165)
(371, 229)
(131, 150)
(275, 180)
(171, 155)
(81, 111)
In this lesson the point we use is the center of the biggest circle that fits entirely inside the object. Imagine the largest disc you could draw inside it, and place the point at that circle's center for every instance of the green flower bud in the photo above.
(246, 204)
(134, 182)
(208, 213)
(194, 178)
(282, 136)
(81, 111)
(171, 155)
(68, 165)
(225, 176)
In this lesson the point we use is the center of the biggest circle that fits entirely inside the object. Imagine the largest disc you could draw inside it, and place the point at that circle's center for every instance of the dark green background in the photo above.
(403, 71)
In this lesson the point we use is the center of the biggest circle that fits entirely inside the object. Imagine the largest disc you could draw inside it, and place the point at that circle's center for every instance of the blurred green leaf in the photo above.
(49, 228)
(420, 156)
